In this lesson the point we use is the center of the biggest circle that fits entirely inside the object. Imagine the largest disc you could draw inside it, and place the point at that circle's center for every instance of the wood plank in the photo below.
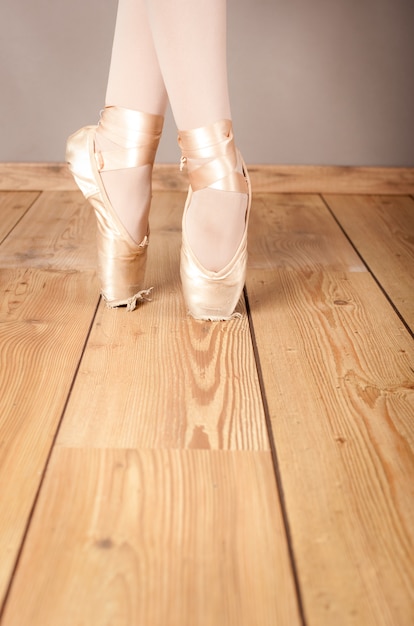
(37, 176)
(57, 232)
(13, 205)
(265, 178)
(332, 179)
(339, 387)
(155, 537)
(44, 321)
(296, 231)
(157, 378)
(382, 229)
(57, 177)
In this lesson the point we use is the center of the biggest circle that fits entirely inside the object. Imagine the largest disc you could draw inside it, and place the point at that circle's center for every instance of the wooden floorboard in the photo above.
(56, 232)
(36, 176)
(382, 229)
(44, 321)
(338, 381)
(296, 231)
(171, 382)
(332, 179)
(265, 178)
(155, 537)
(159, 470)
(45, 316)
(13, 205)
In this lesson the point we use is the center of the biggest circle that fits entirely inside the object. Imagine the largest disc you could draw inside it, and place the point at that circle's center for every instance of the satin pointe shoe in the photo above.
(121, 260)
(213, 161)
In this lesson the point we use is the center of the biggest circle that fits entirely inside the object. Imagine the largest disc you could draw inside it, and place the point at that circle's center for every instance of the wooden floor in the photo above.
(159, 471)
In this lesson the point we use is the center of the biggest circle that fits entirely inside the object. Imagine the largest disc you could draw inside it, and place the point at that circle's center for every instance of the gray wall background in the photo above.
(326, 82)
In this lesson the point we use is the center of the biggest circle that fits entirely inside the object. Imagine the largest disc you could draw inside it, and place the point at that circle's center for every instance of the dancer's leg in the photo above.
(135, 82)
(190, 40)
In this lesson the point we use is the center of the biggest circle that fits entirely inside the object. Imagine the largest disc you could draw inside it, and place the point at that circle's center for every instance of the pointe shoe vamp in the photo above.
(229, 275)
(211, 295)
(210, 300)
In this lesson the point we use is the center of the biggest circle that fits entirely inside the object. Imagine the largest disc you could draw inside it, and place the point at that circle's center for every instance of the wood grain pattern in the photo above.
(57, 232)
(13, 205)
(382, 228)
(155, 537)
(44, 320)
(338, 377)
(296, 231)
(265, 178)
(182, 523)
(37, 176)
(331, 179)
(158, 378)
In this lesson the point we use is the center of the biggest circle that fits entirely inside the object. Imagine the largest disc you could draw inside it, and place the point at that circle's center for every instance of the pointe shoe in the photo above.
(121, 260)
(211, 295)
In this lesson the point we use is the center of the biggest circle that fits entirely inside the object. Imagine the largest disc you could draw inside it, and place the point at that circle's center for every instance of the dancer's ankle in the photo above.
(216, 216)
(129, 189)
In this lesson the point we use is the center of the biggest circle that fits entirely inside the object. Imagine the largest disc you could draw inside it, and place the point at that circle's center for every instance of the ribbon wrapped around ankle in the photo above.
(214, 146)
(137, 134)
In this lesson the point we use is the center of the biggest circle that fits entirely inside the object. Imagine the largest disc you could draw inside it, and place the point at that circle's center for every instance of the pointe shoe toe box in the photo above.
(212, 295)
